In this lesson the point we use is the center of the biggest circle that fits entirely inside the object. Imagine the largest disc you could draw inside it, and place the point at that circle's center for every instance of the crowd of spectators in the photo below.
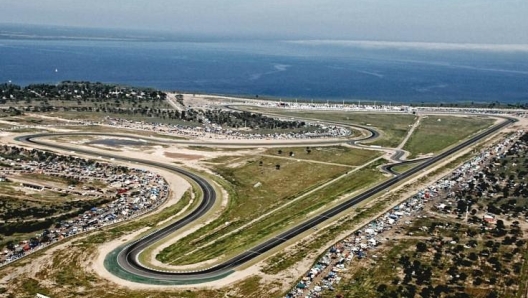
(384, 107)
(130, 192)
(212, 130)
(325, 274)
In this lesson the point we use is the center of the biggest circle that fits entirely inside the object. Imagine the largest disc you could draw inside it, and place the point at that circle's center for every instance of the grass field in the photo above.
(432, 135)
(169, 216)
(254, 189)
(332, 154)
(262, 186)
(393, 126)
(267, 226)
(405, 167)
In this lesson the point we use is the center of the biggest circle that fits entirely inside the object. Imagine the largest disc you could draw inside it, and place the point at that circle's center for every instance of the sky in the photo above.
(452, 21)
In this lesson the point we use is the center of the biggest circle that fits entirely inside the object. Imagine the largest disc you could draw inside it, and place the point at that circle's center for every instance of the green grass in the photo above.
(275, 185)
(166, 214)
(334, 154)
(432, 136)
(284, 260)
(393, 126)
(246, 201)
(404, 167)
(267, 226)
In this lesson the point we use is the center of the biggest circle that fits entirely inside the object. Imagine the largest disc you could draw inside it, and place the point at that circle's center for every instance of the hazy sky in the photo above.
(466, 21)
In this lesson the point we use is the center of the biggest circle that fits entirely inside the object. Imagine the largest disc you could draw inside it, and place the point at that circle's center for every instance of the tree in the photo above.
(277, 167)
(382, 288)
(421, 247)
(492, 294)
(426, 292)
(477, 281)
(10, 245)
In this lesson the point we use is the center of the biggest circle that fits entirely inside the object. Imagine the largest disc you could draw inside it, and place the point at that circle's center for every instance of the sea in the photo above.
(399, 72)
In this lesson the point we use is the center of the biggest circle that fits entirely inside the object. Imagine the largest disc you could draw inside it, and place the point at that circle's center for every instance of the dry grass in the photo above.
(436, 133)
(332, 154)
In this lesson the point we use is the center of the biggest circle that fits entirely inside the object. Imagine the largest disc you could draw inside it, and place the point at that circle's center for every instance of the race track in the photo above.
(127, 257)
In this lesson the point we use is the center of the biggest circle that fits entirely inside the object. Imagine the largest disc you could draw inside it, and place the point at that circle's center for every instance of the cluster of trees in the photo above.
(16, 214)
(500, 188)
(76, 91)
(224, 118)
(490, 256)
(237, 119)
(466, 266)
(105, 98)
(10, 111)
(14, 209)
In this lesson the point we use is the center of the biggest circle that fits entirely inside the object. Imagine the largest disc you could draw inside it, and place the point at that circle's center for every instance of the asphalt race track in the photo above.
(128, 256)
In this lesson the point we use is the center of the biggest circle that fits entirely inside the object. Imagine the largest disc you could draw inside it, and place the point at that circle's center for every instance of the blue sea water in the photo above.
(277, 69)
